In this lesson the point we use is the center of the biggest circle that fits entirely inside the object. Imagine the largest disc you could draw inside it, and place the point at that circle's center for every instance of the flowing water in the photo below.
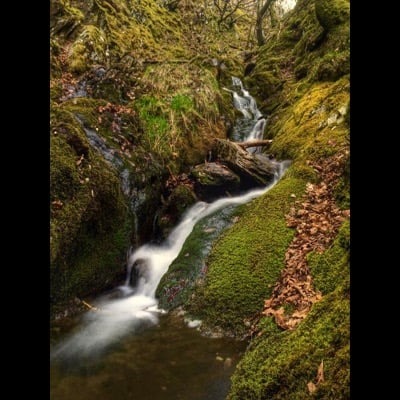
(129, 348)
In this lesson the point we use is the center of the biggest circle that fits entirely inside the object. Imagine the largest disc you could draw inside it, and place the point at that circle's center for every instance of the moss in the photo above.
(178, 201)
(333, 65)
(311, 128)
(342, 190)
(331, 268)
(64, 19)
(190, 268)
(78, 60)
(265, 82)
(331, 13)
(279, 364)
(246, 260)
(87, 245)
(303, 171)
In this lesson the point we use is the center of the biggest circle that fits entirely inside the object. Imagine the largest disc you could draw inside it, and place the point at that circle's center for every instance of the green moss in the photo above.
(64, 19)
(78, 60)
(342, 190)
(331, 268)
(246, 260)
(190, 268)
(265, 81)
(312, 127)
(333, 65)
(331, 13)
(303, 171)
(87, 244)
(181, 103)
(279, 365)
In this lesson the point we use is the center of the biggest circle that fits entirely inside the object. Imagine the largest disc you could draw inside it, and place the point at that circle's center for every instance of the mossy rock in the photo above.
(246, 260)
(214, 180)
(280, 364)
(189, 269)
(331, 13)
(333, 65)
(178, 201)
(310, 128)
(90, 224)
(266, 83)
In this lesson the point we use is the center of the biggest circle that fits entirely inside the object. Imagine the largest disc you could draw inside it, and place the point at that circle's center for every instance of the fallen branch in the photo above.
(254, 143)
(90, 307)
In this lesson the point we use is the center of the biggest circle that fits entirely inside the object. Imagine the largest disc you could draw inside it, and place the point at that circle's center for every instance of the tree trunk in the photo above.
(260, 17)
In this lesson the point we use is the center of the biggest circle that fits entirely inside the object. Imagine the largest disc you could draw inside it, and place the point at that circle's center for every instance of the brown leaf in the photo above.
(320, 373)
(311, 387)
(80, 160)
(267, 303)
(57, 203)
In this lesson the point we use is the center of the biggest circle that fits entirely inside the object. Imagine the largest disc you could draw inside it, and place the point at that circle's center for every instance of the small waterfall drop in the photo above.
(252, 125)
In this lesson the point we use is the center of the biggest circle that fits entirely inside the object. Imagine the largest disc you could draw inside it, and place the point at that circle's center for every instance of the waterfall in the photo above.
(136, 304)
(252, 125)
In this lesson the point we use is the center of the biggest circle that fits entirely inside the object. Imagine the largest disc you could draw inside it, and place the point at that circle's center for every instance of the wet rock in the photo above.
(253, 170)
(228, 362)
(213, 180)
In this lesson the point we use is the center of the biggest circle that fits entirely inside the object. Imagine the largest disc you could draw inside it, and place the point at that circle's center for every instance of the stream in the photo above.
(131, 349)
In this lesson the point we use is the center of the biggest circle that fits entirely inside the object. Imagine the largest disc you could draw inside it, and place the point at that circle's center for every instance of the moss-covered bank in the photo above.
(246, 260)
(279, 365)
(86, 244)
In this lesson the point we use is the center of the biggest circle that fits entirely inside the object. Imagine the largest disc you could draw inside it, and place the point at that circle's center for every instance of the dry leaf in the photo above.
(320, 373)
(311, 387)
(80, 160)
(317, 219)
(57, 203)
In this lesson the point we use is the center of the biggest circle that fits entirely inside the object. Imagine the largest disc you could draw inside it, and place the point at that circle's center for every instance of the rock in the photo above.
(331, 13)
(193, 323)
(253, 169)
(213, 180)
(227, 362)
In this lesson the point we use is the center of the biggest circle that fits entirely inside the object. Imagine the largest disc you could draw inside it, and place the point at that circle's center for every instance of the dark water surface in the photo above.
(167, 361)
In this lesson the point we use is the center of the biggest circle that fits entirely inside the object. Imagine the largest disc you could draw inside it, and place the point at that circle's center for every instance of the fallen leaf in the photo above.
(79, 162)
(57, 203)
(320, 373)
(311, 387)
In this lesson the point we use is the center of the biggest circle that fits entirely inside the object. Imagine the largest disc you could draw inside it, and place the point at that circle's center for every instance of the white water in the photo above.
(253, 123)
(117, 317)
(138, 306)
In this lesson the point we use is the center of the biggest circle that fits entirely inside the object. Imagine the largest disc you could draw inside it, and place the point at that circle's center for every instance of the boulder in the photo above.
(331, 13)
(214, 180)
(253, 169)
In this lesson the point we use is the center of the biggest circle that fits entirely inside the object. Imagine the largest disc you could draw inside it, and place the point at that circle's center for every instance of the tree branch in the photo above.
(254, 143)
